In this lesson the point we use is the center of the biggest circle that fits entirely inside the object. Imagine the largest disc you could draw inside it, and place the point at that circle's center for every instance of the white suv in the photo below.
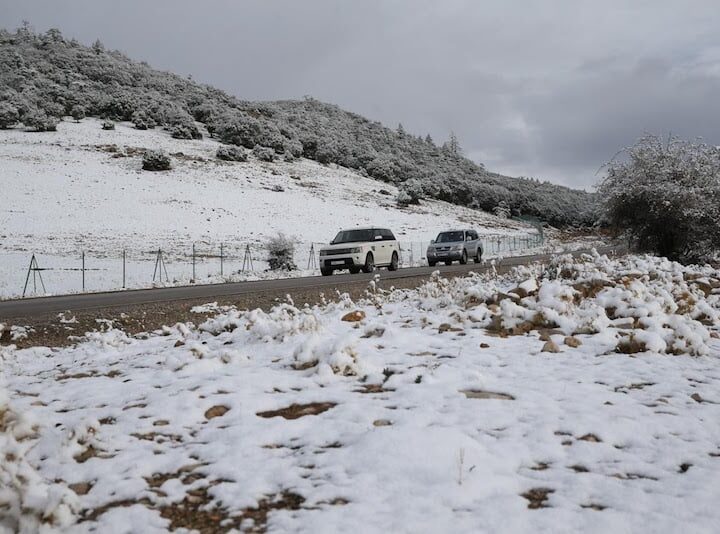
(360, 248)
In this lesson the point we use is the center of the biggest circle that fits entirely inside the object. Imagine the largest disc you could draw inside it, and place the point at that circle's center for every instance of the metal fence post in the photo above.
(83, 271)
(123, 284)
(193, 262)
(221, 260)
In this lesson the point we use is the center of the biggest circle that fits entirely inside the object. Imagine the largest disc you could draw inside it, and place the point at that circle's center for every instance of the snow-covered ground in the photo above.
(82, 189)
(579, 397)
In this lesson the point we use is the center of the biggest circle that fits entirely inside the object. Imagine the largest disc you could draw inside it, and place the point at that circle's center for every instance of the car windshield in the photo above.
(353, 236)
(449, 237)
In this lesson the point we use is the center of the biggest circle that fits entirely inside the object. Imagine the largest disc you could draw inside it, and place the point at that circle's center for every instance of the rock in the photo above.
(216, 411)
(696, 397)
(550, 346)
(381, 422)
(354, 316)
(179, 343)
(573, 342)
(81, 488)
(484, 346)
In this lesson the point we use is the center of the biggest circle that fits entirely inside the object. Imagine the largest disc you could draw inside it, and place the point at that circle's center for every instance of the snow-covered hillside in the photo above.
(82, 189)
(579, 397)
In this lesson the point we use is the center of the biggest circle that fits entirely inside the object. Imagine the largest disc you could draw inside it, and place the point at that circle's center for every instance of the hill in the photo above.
(44, 77)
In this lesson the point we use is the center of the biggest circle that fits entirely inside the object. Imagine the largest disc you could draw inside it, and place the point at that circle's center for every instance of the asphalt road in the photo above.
(38, 306)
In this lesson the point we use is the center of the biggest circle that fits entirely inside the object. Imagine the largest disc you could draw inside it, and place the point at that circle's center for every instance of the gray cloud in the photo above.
(546, 89)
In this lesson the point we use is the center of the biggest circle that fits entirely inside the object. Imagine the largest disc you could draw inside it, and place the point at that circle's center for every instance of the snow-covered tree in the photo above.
(78, 113)
(666, 196)
(281, 253)
(156, 160)
(502, 210)
(231, 153)
(9, 115)
(264, 153)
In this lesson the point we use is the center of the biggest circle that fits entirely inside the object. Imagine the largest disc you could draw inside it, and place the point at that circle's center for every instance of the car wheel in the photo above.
(478, 255)
(354, 270)
(326, 272)
(431, 263)
(369, 263)
(394, 262)
(448, 262)
(463, 258)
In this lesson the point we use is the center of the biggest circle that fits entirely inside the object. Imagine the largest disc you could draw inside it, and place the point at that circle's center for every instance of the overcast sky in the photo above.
(550, 89)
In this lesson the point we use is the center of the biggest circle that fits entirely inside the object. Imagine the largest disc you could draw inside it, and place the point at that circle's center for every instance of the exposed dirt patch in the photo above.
(632, 476)
(81, 488)
(158, 437)
(286, 500)
(480, 394)
(540, 466)
(579, 468)
(90, 452)
(594, 506)
(295, 411)
(592, 438)
(216, 411)
(537, 497)
(637, 385)
(372, 388)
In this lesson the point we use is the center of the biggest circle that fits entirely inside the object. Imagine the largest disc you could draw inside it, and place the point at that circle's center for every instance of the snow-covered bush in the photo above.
(9, 115)
(293, 147)
(40, 122)
(666, 196)
(231, 153)
(155, 160)
(502, 210)
(142, 121)
(184, 131)
(403, 199)
(77, 113)
(264, 153)
(281, 253)
(237, 129)
(108, 125)
(414, 190)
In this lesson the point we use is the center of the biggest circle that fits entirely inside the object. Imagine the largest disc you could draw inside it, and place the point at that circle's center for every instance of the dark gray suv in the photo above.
(455, 245)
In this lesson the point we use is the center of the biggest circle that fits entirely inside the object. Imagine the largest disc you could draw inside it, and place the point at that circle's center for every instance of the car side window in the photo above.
(387, 235)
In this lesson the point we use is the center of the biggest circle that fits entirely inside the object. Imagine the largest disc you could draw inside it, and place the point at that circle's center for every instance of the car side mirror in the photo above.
(432, 241)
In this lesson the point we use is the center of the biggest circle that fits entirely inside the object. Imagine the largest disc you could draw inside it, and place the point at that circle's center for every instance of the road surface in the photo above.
(38, 306)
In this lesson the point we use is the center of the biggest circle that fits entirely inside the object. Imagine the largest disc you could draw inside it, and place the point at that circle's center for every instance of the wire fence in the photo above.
(91, 271)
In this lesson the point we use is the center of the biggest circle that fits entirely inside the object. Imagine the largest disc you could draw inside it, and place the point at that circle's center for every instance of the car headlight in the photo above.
(356, 250)
(456, 247)
(324, 252)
